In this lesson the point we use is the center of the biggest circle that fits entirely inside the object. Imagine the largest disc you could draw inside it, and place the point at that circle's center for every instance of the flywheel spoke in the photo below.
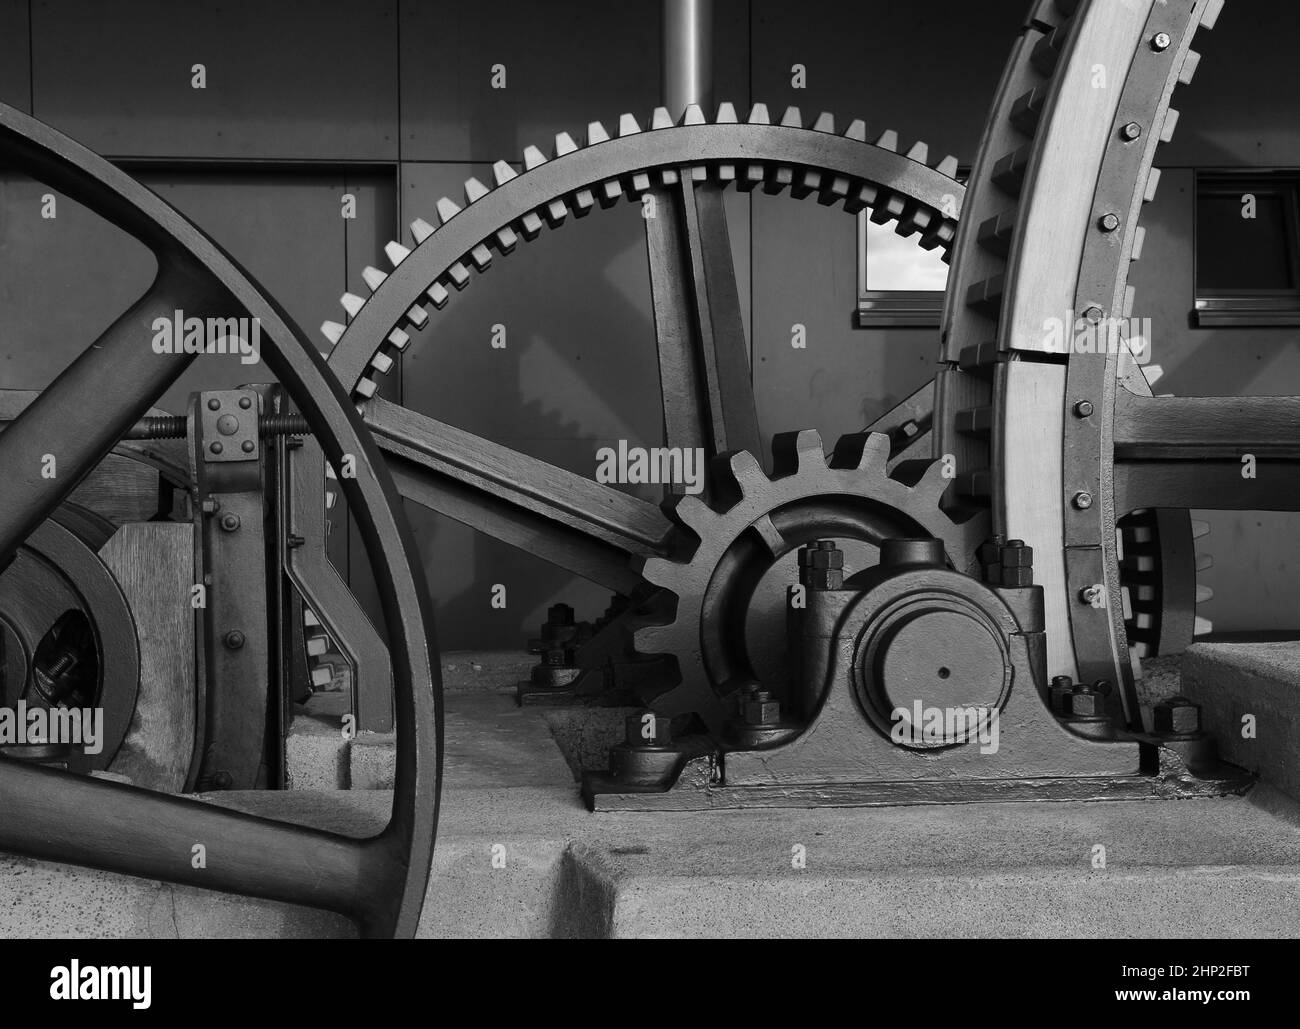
(119, 828)
(102, 393)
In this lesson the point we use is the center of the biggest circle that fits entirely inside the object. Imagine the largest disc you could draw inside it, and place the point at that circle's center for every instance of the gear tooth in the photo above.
(692, 512)
(949, 166)
(1204, 594)
(420, 230)
(533, 158)
(474, 190)
(661, 119)
(726, 114)
(693, 116)
(792, 119)
(650, 640)
(825, 123)
(309, 618)
(596, 133)
(395, 252)
(564, 144)
(437, 294)
(330, 473)
(381, 362)
(920, 153)
(366, 388)
(447, 210)
(373, 277)
(332, 331)
(797, 451)
(330, 498)
(503, 173)
(352, 304)
(627, 125)
(758, 115)
(861, 450)
(857, 130)
(316, 644)
(417, 315)
(399, 339)
(888, 140)
(1202, 626)
(1204, 562)
(658, 570)
(1200, 528)
(1153, 373)
(737, 474)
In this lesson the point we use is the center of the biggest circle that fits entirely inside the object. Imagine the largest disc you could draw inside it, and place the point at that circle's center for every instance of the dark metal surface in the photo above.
(58, 817)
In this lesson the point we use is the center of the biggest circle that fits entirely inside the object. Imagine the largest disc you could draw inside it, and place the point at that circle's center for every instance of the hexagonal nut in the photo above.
(647, 729)
(823, 578)
(1177, 716)
(990, 551)
(810, 558)
(1017, 557)
(1084, 704)
(1017, 576)
(761, 709)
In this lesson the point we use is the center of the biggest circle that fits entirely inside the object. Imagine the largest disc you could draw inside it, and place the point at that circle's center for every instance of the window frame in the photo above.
(895, 308)
(1248, 308)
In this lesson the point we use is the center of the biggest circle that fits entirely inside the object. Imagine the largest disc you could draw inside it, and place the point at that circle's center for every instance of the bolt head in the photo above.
(1177, 716)
(1017, 577)
(214, 404)
(216, 447)
(1084, 409)
(1131, 131)
(1093, 314)
(1090, 594)
(1016, 555)
(246, 446)
(230, 522)
(1160, 42)
(1108, 222)
(1083, 500)
(234, 640)
(245, 402)
(760, 708)
(1083, 704)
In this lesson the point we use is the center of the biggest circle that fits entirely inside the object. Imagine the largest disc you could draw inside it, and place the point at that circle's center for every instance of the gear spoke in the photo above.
(704, 363)
(584, 526)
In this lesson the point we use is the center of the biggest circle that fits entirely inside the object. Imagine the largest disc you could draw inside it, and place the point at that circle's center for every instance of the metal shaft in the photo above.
(688, 54)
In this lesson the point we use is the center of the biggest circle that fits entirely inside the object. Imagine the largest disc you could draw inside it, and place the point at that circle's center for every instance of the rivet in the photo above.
(247, 446)
(215, 447)
(245, 402)
(1083, 500)
(1160, 42)
(214, 404)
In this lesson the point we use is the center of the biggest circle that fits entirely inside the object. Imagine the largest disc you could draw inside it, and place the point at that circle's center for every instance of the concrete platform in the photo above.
(1192, 868)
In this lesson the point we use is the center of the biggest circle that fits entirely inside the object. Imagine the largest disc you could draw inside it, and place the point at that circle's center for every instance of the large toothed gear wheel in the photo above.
(587, 528)
(732, 590)
(837, 168)
(1066, 446)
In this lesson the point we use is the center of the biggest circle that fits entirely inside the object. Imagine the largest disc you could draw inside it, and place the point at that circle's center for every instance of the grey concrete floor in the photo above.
(518, 855)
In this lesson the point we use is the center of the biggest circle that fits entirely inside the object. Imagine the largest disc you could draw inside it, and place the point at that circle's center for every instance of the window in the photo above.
(899, 284)
(1247, 248)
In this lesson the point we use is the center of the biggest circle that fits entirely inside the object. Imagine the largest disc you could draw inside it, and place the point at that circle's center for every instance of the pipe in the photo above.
(688, 55)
